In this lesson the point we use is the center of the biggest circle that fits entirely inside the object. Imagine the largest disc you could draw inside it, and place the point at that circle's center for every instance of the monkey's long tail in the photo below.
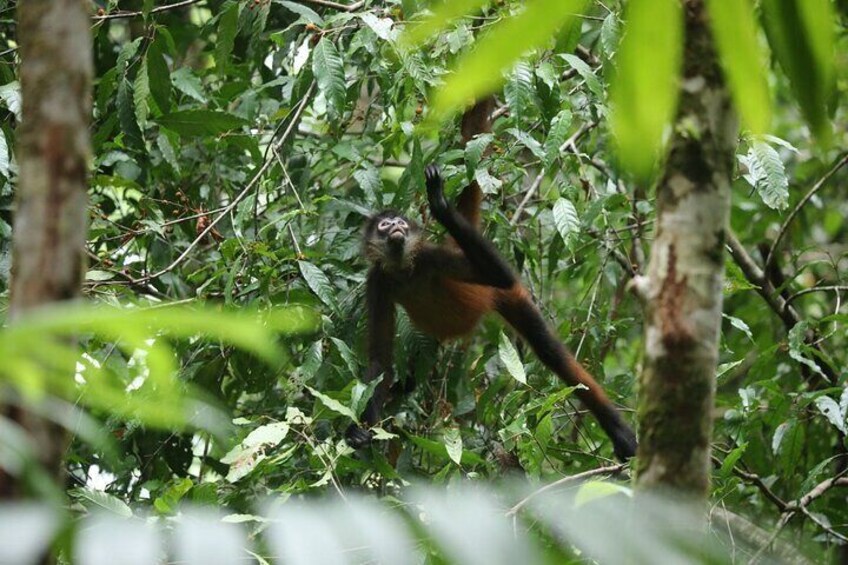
(517, 308)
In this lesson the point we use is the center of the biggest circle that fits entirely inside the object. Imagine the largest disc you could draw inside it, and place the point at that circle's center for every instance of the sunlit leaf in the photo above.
(735, 31)
(509, 357)
(644, 90)
(442, 14)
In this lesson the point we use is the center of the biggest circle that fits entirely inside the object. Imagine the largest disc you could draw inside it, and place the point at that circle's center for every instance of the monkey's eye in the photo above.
(384, 225)
(401, 223)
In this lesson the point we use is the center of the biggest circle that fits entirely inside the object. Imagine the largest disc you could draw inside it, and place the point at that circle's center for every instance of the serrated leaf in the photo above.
(382, 27)
(610, 34)
(369, 180)
(586, 73)
(167, 150)
(4, 155)
(333, 404)
(200, 122)
(519, 92)
(768, 174)
(317, 282)
(830, 410)
(557, 136)
(184, 81)
(475, 148)
(453, 444)
(141, 90)
(480, 71)
(509, 357)
(488, 184)
(267, 435)
(734, 28)
(127, 52)
(644, 91)
(348, 356)
(160, 78)
(10, 94)
(529, 142)
(126, 114)
(328, 68)
(103, 500)
(566, 219)
(227, 29)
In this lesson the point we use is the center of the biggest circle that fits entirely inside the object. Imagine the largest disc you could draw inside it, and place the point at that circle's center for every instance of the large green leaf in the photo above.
(481, 70)
(200, 122)
(329, 71)
(735, 32)
(441, 16)
(801, 34)
(645, 89)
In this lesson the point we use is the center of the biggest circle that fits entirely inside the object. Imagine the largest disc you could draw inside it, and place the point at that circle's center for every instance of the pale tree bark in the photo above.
(683, 285)
(48, 247)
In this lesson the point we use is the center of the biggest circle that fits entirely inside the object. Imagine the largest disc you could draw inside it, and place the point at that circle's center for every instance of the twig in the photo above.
(241, 195)
(783, 228)
(610, 470)
(124, 15)
(337, 6)
(829, 288)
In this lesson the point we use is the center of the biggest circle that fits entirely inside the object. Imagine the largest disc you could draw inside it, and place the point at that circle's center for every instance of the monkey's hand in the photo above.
(439, 206)
(357, 437)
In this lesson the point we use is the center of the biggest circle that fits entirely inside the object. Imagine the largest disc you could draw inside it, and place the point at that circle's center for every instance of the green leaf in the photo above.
(557, 136)
(481, 70)
(474, 150)
(127, 52)
(830, 410)
(318, 282)
(10, 94)
(333, 404)
(382, 27)
(739, 325)
(509, 357)
(442, 15)
(103, 501)
(586, 73)
(453, 444)
(801, 35)
(610, 34)
(731, 460)
(126, 114)
(267, 435)
(160, 78)
(348, 356)
(767, 174)
(519, 92)
(368, 178)
(329, 72)
(645, 89)
(597, 490)
(4, 155)
(566, 219)
(305, 13)
(227, 30)
(141, 90)
(191, 123)
(745, 66)
(188, 84)
(167, 150)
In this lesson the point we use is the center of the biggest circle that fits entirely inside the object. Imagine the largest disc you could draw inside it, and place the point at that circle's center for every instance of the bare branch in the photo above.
(609, 470)
(829, 288)
(337, 6)
(157, 10)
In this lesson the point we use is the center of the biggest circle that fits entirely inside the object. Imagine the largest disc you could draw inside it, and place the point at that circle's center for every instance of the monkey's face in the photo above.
(391, 240)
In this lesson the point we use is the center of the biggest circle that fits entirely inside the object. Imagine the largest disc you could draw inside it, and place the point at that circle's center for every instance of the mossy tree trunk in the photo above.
(48, 247)
(683, 285)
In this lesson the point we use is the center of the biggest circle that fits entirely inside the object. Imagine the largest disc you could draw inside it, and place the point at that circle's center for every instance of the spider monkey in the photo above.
(446, 289)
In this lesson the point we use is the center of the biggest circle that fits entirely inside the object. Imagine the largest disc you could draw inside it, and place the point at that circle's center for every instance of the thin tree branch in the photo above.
(840, 162)
(829, 288)
(609, 470)
(157, 10)
(343, 7)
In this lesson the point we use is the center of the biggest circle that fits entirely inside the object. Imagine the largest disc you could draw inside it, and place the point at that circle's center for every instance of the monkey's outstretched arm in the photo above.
(490, 267)
(381, 330)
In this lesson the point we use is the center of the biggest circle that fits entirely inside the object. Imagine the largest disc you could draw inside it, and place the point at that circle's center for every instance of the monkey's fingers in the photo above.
(357, 437)
(435, 195)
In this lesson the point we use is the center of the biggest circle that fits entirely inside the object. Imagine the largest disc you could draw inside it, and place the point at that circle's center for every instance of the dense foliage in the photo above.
(238, 147)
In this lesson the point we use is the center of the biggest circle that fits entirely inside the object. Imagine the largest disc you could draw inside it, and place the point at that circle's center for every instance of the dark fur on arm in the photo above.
(491, 268)
(381, 330)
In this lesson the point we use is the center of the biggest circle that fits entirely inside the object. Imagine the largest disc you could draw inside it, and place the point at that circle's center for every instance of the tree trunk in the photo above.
(683, 288)
(48, 247)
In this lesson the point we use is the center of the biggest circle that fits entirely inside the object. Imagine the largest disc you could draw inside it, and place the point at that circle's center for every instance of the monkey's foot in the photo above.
(358, 437)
